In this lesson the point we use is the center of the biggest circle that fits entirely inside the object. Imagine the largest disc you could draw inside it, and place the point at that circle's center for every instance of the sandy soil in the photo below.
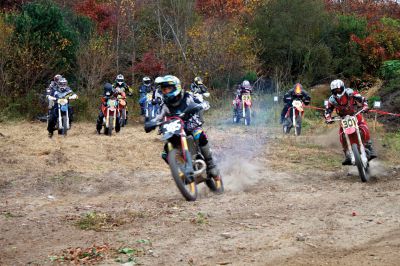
(288, 201)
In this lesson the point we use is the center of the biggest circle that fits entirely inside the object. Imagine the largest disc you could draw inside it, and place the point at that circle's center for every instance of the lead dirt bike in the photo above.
(187, 164)
(62, 105)
(110, 116)
(355, 144)
(242, 109)
(293, 118)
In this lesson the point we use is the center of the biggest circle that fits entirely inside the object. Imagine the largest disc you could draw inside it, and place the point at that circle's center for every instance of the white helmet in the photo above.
(245, 84)
(146, 81)
(120, 79)
(337, 88)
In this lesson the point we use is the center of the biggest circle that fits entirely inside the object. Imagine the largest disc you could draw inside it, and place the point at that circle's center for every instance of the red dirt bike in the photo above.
(111, 116)
(293, 118)
(242, 109)
(355, 144)
(187, 164)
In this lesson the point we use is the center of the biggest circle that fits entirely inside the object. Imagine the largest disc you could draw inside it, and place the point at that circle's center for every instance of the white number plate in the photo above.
(349, 122)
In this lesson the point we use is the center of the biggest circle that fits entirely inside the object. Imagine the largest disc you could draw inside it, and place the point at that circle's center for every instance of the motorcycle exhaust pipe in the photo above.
(201, 165)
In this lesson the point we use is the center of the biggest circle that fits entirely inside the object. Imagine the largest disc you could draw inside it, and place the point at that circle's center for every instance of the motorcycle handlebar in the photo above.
(338, 118)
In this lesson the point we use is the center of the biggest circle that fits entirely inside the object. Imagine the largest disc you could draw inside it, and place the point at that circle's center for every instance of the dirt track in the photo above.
(287, 201)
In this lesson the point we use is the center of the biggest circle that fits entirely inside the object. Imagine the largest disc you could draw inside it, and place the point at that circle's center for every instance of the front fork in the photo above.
(60, 125)
(188, 170)
(362, 148)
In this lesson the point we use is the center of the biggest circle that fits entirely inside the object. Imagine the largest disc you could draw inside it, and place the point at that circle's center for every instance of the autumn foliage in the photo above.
(150, 65)
(101, 13)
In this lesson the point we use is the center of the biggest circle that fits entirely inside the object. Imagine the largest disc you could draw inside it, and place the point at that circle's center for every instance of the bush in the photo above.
(390, 69)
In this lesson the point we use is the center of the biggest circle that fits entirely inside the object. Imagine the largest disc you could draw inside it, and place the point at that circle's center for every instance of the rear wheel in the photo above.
(178, 164)
(363, 171)
(123, 118)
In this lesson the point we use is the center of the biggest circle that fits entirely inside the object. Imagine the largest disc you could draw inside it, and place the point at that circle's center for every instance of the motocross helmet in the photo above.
(120, 79)
(146, 81)
(337, 88)
(171, 90)
(246, 84)
(198, 81)
(62, 84)
(108, 89)
(57, 78)
(298, 89)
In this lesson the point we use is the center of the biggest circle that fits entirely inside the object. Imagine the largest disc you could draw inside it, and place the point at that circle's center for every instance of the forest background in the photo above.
(272, 43)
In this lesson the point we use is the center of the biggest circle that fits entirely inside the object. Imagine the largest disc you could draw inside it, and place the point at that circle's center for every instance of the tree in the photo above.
(293, 34)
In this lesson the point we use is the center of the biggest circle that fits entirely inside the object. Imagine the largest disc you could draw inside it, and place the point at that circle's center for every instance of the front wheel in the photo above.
(363, 171)
(108, 131)
(178, 164)
(65, 125)
(216, 186)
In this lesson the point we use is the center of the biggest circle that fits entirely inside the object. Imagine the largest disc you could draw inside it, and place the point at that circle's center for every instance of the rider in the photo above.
(176, 100)
(119, 84)
(344, 101)
(197, 86)
(145, 88)
(295, 93)
(243, 88)
(62, 91)
(51, 89)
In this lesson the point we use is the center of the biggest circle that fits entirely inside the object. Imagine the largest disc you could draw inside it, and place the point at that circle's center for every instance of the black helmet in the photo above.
(108, 89)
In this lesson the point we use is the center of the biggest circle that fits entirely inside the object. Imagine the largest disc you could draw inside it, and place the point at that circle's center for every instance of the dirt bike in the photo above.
(110, 116)
(187, 164)
(122, 108)
(242, 109)
(359, 154)
(62, 105)
(293, 118)
(152, 108)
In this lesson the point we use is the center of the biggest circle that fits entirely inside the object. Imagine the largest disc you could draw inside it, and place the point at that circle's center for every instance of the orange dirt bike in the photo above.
(111, 116)
(293, 118)
(242, 109)
(354, 138)
(187, 164)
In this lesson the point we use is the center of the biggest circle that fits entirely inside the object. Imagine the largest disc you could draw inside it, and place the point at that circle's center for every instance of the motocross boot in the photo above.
(372, 153)
(212, 169)
(347, 160)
